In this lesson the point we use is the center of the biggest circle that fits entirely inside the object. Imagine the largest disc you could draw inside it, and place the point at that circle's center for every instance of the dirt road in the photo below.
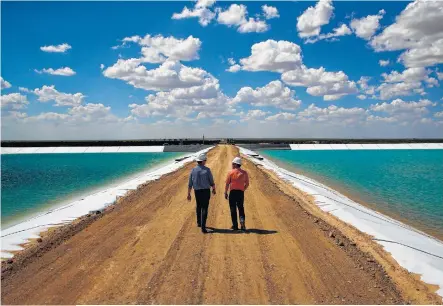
(148, 249)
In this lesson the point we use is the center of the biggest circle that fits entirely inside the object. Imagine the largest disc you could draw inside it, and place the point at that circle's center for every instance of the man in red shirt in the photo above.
(237, 181)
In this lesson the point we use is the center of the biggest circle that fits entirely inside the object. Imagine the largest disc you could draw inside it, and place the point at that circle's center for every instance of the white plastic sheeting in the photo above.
(122, 149)
(14, 236)
(415, 251)
(367, 146)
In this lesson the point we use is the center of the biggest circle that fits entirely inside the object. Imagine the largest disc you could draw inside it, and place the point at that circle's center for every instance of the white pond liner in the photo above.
(46, 150)
(14, 236)
(414, 250)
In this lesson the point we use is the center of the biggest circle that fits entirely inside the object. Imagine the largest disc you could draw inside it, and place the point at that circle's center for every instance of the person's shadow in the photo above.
(213, 230)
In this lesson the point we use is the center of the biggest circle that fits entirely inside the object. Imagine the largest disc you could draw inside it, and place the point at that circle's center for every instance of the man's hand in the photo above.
(213, 191)
(226, 195)
(189, 197)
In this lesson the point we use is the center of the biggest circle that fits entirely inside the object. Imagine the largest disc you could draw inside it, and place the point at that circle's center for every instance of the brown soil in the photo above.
(147, 249)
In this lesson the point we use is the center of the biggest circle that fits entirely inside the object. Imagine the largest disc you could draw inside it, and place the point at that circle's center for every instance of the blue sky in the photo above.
(278, 90)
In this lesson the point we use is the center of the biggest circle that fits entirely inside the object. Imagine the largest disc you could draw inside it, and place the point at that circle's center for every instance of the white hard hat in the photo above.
(201, 157)
(237, 161)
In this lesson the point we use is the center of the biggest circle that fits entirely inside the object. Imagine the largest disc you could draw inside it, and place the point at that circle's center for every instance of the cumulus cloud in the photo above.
(342, 30)
(14, 101)
(175, 104)
(285, 57)
(383, 63)
(234, 68)
(402, 111)
(24, 89)
(310, 22)
(367, 26)
(423, 56)
(333, 114)
(56, 49)
(201, 11)
(271, 55)
(254, 114)
(253, 25)
(273, 94)
(418, 30)
(438, 115)
(237, 16)
(361, 97)
(4, 84)
(270, 12)
(169, 75)
(372, 118)
(92, 112)
(408, 75)
(76, 116)
(65, 71)
(319, 82)
(157, 49)
(102, 66)
(391, 90)
(281, 116)
(49, 93)
(405, 83)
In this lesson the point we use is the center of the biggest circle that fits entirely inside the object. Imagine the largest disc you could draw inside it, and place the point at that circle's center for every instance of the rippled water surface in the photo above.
(403, 183)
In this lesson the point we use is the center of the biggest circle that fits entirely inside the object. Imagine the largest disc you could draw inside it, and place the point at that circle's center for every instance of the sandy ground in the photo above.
(147, 249)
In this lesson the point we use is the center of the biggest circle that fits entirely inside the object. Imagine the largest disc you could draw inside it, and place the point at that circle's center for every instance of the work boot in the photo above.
(243, 226)
(234, 228)
(204, 230)
(199, 225)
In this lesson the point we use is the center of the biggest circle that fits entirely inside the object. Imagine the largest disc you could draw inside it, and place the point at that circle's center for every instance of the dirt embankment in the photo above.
(148, 249)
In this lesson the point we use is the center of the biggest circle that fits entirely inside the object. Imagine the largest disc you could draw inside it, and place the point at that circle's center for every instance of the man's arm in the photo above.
(189, 187)
(246, 181)
(211, 182)
(228, 182)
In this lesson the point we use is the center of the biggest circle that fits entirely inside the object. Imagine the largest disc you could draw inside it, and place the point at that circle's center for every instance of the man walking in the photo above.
(201, 180)
(237, 181)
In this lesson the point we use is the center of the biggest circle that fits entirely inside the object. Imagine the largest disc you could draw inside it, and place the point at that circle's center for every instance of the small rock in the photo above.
(341, 243)
(343, 300)
(10, 261)
(315, 220)
(98, 212)
(331, 235)
(336, 296)
(39, 240)
(353, 244)
(417, 289)
(370, 260)
(375, 286)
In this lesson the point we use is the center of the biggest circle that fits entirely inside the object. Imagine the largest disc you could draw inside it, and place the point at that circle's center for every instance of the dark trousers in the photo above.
(236, 200)
(202, 197)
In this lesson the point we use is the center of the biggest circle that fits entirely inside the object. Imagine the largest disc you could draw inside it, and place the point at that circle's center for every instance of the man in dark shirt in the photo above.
(201, 180)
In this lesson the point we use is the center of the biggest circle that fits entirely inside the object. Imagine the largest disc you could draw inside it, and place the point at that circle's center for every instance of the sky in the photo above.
(142, 70)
